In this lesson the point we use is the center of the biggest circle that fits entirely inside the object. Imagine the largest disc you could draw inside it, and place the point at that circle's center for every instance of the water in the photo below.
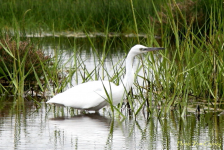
(39, 126)
(61, 128)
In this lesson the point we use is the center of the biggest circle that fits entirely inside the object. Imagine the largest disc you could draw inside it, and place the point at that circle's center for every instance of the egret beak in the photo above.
(152, 49)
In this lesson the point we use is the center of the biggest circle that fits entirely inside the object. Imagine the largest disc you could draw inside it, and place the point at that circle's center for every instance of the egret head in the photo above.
(139, 49)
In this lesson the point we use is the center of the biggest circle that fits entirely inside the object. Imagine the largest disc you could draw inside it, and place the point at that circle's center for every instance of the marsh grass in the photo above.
(177, 78)
(19, 65)
(184, 14)
(38, 16)
(191, 67)
(189, 70)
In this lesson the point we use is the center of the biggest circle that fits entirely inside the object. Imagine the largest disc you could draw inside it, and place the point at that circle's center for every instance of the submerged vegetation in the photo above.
(188, 73)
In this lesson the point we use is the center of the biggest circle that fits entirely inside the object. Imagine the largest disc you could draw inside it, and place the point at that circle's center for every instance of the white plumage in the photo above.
(93, 95)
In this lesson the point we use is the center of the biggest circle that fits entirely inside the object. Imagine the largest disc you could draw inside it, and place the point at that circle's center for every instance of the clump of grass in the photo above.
(187, 13)
(191, 68)
(20, 63)
(182, 13)
(19, 50)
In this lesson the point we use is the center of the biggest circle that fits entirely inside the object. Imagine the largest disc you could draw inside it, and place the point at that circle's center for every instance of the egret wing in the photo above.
(90, 95)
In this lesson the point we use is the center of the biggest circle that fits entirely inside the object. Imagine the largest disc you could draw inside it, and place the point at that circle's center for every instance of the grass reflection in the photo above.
(170, 132)
(63, 127)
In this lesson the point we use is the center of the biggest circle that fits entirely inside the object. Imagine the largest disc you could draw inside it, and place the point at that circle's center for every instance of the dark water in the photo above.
(36, 125)
(61, 128)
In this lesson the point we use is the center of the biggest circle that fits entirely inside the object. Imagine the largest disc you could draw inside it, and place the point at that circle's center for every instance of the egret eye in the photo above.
(141, 49)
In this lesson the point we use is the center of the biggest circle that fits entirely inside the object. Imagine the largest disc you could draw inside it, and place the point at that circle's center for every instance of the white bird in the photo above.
(93, 95)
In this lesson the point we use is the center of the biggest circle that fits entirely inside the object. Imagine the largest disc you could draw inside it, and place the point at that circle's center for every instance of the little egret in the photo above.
(93, 95)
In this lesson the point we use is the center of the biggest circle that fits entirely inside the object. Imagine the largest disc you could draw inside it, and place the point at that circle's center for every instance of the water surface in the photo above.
(62, 128)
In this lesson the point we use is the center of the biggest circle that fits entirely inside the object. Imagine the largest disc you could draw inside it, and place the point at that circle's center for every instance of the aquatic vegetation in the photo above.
(184, 14)
(75, 15)
(187, 73)
(20, 63)
(191, 68)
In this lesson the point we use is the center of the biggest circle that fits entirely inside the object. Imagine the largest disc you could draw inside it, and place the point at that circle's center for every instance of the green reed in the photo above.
(20, 66)
(189, 70)
(39, 16)
(191, 66)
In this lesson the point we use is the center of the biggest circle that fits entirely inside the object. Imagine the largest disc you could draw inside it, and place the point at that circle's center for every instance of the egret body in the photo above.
(93, 95)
